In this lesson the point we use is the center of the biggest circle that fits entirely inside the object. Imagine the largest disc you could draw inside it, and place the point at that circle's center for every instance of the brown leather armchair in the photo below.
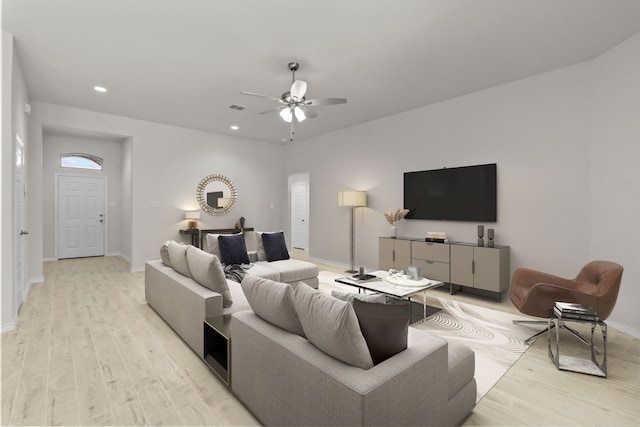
(534, 293)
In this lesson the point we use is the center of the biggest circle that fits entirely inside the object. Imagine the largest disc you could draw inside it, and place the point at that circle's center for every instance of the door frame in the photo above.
(19, 225)
(56, 207)
(299, 178)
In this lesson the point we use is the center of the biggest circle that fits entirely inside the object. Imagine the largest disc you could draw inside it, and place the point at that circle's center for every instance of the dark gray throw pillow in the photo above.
(233, 250)
(384, 328)
(274, 246)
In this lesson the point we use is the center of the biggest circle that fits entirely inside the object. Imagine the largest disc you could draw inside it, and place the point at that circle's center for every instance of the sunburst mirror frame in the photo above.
(202, 200)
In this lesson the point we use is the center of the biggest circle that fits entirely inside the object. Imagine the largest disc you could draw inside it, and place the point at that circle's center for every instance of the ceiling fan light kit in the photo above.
(294, 107)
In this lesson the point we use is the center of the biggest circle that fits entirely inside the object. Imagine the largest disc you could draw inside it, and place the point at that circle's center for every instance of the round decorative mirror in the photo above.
(216, 194)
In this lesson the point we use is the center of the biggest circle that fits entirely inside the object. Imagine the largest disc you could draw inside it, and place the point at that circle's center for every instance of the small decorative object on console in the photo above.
(480, 235)
(393, 217)
(490, 243)
(436, 236)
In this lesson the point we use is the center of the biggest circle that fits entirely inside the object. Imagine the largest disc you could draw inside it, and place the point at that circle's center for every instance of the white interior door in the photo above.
(81, 216)
(19, 221)
(299, 215)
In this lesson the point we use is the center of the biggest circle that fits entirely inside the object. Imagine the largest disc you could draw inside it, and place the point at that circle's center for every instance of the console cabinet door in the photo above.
(385, 253)
(491, 269)
(393, 253)
(462, 265)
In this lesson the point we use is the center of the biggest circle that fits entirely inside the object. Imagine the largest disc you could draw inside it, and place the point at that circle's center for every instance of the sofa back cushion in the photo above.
(178, 258)
(384, 327)
(164, 254)
(212, 244)
(273, 302)
(331, 325)
(207, 270)
(233, 249)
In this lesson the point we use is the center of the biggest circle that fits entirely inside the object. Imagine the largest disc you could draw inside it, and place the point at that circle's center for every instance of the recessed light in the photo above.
(234, 127)
(99, 89)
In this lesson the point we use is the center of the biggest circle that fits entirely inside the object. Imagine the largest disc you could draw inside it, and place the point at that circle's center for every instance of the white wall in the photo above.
(167, 163)
(126, 231)
(14, 121)
(539, 132)
(615, 176)
(56, 143)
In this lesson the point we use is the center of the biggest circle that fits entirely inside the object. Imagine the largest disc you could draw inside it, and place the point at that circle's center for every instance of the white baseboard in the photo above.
(8, 326)
(624, 328)
(49, 259)
(36, 280)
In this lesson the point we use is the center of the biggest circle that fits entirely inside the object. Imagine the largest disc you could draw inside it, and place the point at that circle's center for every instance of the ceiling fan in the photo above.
(293, 106)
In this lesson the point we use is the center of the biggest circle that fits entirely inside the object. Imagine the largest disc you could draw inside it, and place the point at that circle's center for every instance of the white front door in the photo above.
(299, 215)
(19, 212)
(81, 216)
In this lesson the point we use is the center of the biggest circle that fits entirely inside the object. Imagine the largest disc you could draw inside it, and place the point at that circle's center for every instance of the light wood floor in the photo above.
(88, 350)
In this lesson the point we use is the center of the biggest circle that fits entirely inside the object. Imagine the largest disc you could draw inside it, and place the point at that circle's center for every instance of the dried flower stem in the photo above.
(396, 216)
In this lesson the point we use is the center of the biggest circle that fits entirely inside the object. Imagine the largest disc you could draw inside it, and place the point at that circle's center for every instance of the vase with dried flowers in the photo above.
(393, 217)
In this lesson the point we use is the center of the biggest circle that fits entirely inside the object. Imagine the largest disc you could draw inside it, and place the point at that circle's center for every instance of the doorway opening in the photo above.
(299, 214)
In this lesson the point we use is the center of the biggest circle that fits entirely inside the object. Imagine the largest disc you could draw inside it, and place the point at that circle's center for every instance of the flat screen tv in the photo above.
(454, 194)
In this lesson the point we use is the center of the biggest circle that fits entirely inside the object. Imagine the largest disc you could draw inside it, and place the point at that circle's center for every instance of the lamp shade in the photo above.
(352, 198)
(192, 215)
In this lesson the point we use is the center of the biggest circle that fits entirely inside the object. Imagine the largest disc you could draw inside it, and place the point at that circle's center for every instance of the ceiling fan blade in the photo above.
(298, 89)
(264, 96)
(324, 101)
(308, 112)
(272, 110)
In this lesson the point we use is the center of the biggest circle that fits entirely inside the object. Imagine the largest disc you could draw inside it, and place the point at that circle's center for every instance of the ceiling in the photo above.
(183, 62)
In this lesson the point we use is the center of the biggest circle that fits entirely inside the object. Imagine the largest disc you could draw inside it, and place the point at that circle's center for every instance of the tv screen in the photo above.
(455, 194)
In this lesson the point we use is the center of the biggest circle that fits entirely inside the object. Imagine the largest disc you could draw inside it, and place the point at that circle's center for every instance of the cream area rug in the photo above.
(491, 334)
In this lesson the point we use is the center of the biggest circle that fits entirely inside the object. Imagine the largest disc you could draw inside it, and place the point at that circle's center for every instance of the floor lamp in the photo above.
(353, 199)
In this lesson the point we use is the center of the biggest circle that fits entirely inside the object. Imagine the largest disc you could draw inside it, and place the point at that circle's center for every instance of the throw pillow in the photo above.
(384, 328)
(273, 302)
(207, 270)
(233, 249)
(332, 326)
(349, 297)
(275, 247)
(178, 257)
(164, 254)
(212, 244)
(262, 256)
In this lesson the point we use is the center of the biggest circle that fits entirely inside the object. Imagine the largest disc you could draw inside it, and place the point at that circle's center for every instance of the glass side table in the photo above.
(597, 365)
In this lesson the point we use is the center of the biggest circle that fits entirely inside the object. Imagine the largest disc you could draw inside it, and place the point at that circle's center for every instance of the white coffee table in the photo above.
(395, 286)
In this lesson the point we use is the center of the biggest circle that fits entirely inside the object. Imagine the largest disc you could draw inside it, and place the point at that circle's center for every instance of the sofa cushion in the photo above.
(349, 297)
(273, 302)
(233, 249)
(291, 270)
(384, 328)
(262, 256)
(212, 244)
(332, 326)
(259, 270)
(275, 247)
(164, 254)
(178, 257)
(207, 270)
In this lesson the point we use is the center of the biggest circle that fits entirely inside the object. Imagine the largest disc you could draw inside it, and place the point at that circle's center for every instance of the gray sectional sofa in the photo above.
(284, 379)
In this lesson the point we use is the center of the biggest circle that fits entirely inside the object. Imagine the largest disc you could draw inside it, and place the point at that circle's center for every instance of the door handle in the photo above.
(22, 232)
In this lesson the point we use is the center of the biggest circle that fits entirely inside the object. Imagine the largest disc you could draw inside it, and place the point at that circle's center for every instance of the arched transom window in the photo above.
(80, 161)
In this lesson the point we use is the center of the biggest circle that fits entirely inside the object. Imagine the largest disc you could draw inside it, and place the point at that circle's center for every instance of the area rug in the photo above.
(491, 334)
